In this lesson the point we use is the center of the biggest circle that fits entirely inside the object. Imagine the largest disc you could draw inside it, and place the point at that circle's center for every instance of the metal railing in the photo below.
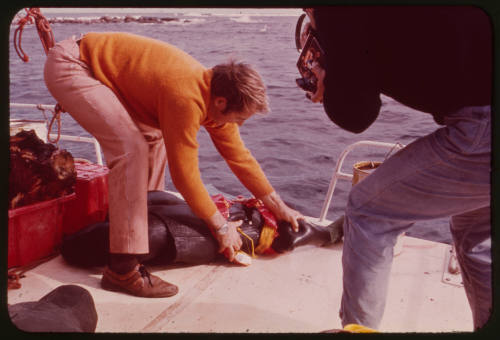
(338, 174)
(97, 147)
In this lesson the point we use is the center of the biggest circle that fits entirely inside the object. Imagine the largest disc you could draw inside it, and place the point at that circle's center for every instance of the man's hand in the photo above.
(319, 72)
(226, 234)
(282, 212)
(230, 242)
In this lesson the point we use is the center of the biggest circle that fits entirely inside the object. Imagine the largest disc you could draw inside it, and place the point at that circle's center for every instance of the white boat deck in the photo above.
(297, 292)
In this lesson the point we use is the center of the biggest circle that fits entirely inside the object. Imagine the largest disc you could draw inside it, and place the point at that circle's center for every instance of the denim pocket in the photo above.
(469, 130)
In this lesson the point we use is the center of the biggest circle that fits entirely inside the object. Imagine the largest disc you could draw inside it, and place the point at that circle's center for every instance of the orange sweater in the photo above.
(165, 87)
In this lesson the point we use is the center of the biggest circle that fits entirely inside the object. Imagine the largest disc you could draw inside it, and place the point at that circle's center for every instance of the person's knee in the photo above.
(355, 200)
(129, 150)
(369, 222)
(136, 151)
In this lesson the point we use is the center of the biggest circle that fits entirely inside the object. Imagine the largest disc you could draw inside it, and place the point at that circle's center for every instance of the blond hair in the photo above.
(241, 85)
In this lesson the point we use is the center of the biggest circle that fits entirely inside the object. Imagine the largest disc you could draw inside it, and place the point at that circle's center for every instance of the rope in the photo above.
(15, 274)
(56, 116)
(396, 145)
(33, 15)
(18, 36)
(251, 241)
(46, 35)
(47, 38)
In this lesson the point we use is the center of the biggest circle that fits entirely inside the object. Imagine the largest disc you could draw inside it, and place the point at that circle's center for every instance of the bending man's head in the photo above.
(241, 86)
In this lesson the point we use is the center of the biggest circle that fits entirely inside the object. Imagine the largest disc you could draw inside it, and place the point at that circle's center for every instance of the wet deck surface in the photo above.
(295, 292)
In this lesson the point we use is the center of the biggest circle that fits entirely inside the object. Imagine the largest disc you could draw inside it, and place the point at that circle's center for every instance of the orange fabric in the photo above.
(162, 86)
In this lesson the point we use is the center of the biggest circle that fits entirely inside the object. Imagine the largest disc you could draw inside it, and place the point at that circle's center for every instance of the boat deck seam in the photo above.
(183, 302)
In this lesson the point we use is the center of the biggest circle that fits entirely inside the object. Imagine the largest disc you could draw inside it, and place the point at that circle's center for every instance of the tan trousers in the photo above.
(134, 152)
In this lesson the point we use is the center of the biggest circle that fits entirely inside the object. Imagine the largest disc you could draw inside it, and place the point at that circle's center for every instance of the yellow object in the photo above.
(355, 328)
(266, 239)
(251, 241)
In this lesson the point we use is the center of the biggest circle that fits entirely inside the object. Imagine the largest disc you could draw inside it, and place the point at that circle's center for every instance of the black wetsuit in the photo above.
(176, 235)
(433, 59)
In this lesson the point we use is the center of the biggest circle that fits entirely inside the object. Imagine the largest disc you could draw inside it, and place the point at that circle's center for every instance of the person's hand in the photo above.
(226, 234)
(291, 216)
(282, 212)
(319, 72)
(230, 242)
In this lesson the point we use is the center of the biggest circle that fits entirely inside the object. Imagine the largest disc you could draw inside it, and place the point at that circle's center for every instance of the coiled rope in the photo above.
(34, 15)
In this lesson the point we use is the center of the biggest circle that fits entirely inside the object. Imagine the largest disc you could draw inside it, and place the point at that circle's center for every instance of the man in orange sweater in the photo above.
(144, 101)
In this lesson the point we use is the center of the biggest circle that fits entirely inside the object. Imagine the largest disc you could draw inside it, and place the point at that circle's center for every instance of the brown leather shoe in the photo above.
(138, 282)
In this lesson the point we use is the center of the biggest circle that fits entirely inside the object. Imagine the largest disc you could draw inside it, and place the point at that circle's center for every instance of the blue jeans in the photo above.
(444, 174)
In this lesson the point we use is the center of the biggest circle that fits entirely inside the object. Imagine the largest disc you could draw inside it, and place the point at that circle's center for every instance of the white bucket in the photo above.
(40, 127)
(360, 171)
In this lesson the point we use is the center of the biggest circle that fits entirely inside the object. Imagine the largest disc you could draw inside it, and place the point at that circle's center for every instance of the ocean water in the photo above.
(296, 144)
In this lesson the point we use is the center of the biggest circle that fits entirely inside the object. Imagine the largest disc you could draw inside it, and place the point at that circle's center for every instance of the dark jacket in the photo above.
(433, 59)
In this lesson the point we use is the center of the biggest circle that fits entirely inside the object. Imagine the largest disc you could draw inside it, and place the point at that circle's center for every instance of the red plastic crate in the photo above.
(35, 230)
(91, 203)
